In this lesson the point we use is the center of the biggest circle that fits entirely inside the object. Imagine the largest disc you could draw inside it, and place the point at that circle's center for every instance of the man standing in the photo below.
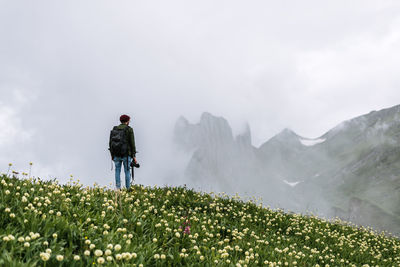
(123, 150)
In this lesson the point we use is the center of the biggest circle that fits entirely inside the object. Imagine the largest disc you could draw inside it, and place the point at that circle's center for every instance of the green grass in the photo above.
(170, 226)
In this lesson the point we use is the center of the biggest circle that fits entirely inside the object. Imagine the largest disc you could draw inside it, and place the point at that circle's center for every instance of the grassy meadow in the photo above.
(45, 223)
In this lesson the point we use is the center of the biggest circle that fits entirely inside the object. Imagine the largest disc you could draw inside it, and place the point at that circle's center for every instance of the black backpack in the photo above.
(119, 142)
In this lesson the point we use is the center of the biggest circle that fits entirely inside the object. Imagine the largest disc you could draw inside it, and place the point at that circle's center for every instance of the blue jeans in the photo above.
(118, 161)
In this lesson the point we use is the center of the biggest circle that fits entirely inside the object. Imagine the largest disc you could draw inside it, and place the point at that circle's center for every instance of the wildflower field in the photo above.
(47, 224)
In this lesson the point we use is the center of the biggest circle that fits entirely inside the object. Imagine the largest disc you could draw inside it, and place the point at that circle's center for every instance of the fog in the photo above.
(68, 70)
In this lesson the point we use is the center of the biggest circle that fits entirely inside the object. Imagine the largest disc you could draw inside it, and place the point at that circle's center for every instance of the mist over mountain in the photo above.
(352, 171)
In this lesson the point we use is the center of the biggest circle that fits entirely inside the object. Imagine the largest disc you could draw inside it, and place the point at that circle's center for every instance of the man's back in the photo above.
(130, 140)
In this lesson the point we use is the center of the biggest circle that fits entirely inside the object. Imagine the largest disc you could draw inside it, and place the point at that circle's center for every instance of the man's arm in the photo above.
(132, 143)
(109, 146)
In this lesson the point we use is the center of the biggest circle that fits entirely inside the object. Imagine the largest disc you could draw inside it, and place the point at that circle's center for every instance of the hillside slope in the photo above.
(44, 223)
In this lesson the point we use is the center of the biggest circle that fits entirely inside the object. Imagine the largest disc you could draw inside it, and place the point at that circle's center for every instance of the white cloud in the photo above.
(353, 76)
(11, 129)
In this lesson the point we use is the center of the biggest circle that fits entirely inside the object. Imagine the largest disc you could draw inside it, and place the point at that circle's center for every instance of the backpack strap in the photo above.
(116, 128)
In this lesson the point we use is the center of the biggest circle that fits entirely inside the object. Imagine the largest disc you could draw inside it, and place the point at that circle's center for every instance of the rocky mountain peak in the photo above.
(287, 134)
(370, 123)
(215, 129)
(211, 130)
(244, 138)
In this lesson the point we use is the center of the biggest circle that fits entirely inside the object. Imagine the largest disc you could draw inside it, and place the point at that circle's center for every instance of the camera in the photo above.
(135, 165)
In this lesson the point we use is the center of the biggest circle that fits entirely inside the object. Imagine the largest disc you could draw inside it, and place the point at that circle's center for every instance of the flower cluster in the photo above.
(185, 226)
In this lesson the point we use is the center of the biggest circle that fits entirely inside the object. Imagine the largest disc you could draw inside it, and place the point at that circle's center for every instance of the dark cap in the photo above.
(124, 118)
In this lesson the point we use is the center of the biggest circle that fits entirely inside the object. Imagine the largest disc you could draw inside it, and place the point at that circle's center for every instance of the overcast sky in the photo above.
(69, 69)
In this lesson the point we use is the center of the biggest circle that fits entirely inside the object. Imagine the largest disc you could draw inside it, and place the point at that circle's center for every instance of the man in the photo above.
(123, 150)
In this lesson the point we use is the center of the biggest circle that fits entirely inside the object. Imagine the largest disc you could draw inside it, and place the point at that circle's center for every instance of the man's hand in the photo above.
(134, 159)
